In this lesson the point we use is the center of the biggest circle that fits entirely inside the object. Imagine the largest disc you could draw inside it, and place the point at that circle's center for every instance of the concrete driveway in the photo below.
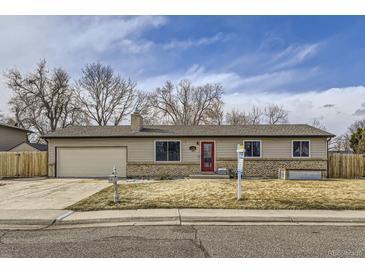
(46, 193)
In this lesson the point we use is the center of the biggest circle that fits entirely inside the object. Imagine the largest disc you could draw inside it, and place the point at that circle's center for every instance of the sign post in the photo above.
(113, 178)
(240, 158)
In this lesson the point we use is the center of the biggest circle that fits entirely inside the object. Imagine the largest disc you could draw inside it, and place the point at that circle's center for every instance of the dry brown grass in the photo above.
(258, 194)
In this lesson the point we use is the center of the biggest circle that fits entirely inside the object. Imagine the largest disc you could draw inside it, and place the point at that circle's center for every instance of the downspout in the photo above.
(328, 140)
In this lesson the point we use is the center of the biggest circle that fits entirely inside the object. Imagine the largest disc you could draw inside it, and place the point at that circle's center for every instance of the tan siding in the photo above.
(318, 148)
(276, 148)
(142, 149)
(272, 148)
(226, 147)
(189, 156)
(139, 149)
(10, 137)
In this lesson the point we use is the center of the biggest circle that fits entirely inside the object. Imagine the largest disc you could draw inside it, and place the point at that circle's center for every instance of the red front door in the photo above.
(207, 156)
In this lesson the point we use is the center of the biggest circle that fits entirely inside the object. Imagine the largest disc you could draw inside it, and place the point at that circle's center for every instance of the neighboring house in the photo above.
(11, 136)
(138, 150)
(26, 146)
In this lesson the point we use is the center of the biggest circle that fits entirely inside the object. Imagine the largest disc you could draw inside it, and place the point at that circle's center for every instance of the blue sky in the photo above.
(312, 65)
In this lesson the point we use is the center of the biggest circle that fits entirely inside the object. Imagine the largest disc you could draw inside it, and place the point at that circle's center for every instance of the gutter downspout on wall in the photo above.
(328, 140)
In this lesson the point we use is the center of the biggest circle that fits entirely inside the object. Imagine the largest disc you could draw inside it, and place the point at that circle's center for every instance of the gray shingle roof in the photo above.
(14, 127)
(287, 130)
(40, 147)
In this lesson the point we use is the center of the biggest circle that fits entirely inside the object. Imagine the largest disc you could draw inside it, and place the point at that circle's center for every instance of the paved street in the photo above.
(187, 241)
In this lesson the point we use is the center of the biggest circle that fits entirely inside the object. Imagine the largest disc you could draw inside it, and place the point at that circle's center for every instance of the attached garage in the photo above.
(91, 161)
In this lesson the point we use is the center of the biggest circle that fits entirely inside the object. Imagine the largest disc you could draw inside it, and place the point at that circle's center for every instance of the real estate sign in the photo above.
(240, 158)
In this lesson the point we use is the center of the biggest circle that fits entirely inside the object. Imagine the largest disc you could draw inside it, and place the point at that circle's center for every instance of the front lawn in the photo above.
(258, 194)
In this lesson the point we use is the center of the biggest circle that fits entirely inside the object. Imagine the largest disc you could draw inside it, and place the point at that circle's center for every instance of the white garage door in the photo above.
(91, 161)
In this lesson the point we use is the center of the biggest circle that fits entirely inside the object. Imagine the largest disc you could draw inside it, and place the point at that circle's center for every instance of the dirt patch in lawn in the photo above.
(258, 194)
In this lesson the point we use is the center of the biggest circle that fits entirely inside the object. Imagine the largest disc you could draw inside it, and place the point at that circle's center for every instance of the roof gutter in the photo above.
(188, 136)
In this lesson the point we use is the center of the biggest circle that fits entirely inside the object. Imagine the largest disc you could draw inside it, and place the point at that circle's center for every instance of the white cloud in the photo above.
(134, 47)
(140, 45)
(196, 73)
(328, 105)
(102, 33)
(303, 107)
(294, 55)
(334, 107)
(189, 43)
(360, 112)
(67, 39)
(70, 42)
(232, 81)
(269, 60)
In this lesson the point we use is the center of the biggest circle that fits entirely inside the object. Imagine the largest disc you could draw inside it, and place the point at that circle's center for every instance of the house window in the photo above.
(167, 151)
(252, 148)
(300, 148)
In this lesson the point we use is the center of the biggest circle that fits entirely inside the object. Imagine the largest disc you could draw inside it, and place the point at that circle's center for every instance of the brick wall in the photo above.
(151, 170)
(269, 168)
(253, 168)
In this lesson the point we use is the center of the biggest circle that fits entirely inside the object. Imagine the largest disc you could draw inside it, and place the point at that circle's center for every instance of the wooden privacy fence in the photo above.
(346, 165)
(23, 164)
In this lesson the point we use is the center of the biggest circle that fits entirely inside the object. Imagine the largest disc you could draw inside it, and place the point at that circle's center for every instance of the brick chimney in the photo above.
(136, 122)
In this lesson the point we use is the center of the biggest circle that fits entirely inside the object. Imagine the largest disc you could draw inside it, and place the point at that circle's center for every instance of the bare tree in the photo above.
(275, 114)
(318, 124)
(185, 104)
(150, 114)
(4, 119)
(42, 101)
(356, 125)
(215, 114)
(236, 117)
(340, 143)
(255, 116)
(272, 114)
(104, 96)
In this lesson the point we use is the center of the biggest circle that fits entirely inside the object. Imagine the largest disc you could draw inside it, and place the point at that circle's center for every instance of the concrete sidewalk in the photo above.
(64, 218)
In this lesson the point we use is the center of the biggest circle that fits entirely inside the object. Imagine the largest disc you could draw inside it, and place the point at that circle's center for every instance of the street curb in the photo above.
(207, 220)
(40, 222)
(180, 217)
(31, 217)
(121, 216)
(117, 220)
(270, 216)
(327, 220)
(204, 222)
(210, 216)
(234, 219)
